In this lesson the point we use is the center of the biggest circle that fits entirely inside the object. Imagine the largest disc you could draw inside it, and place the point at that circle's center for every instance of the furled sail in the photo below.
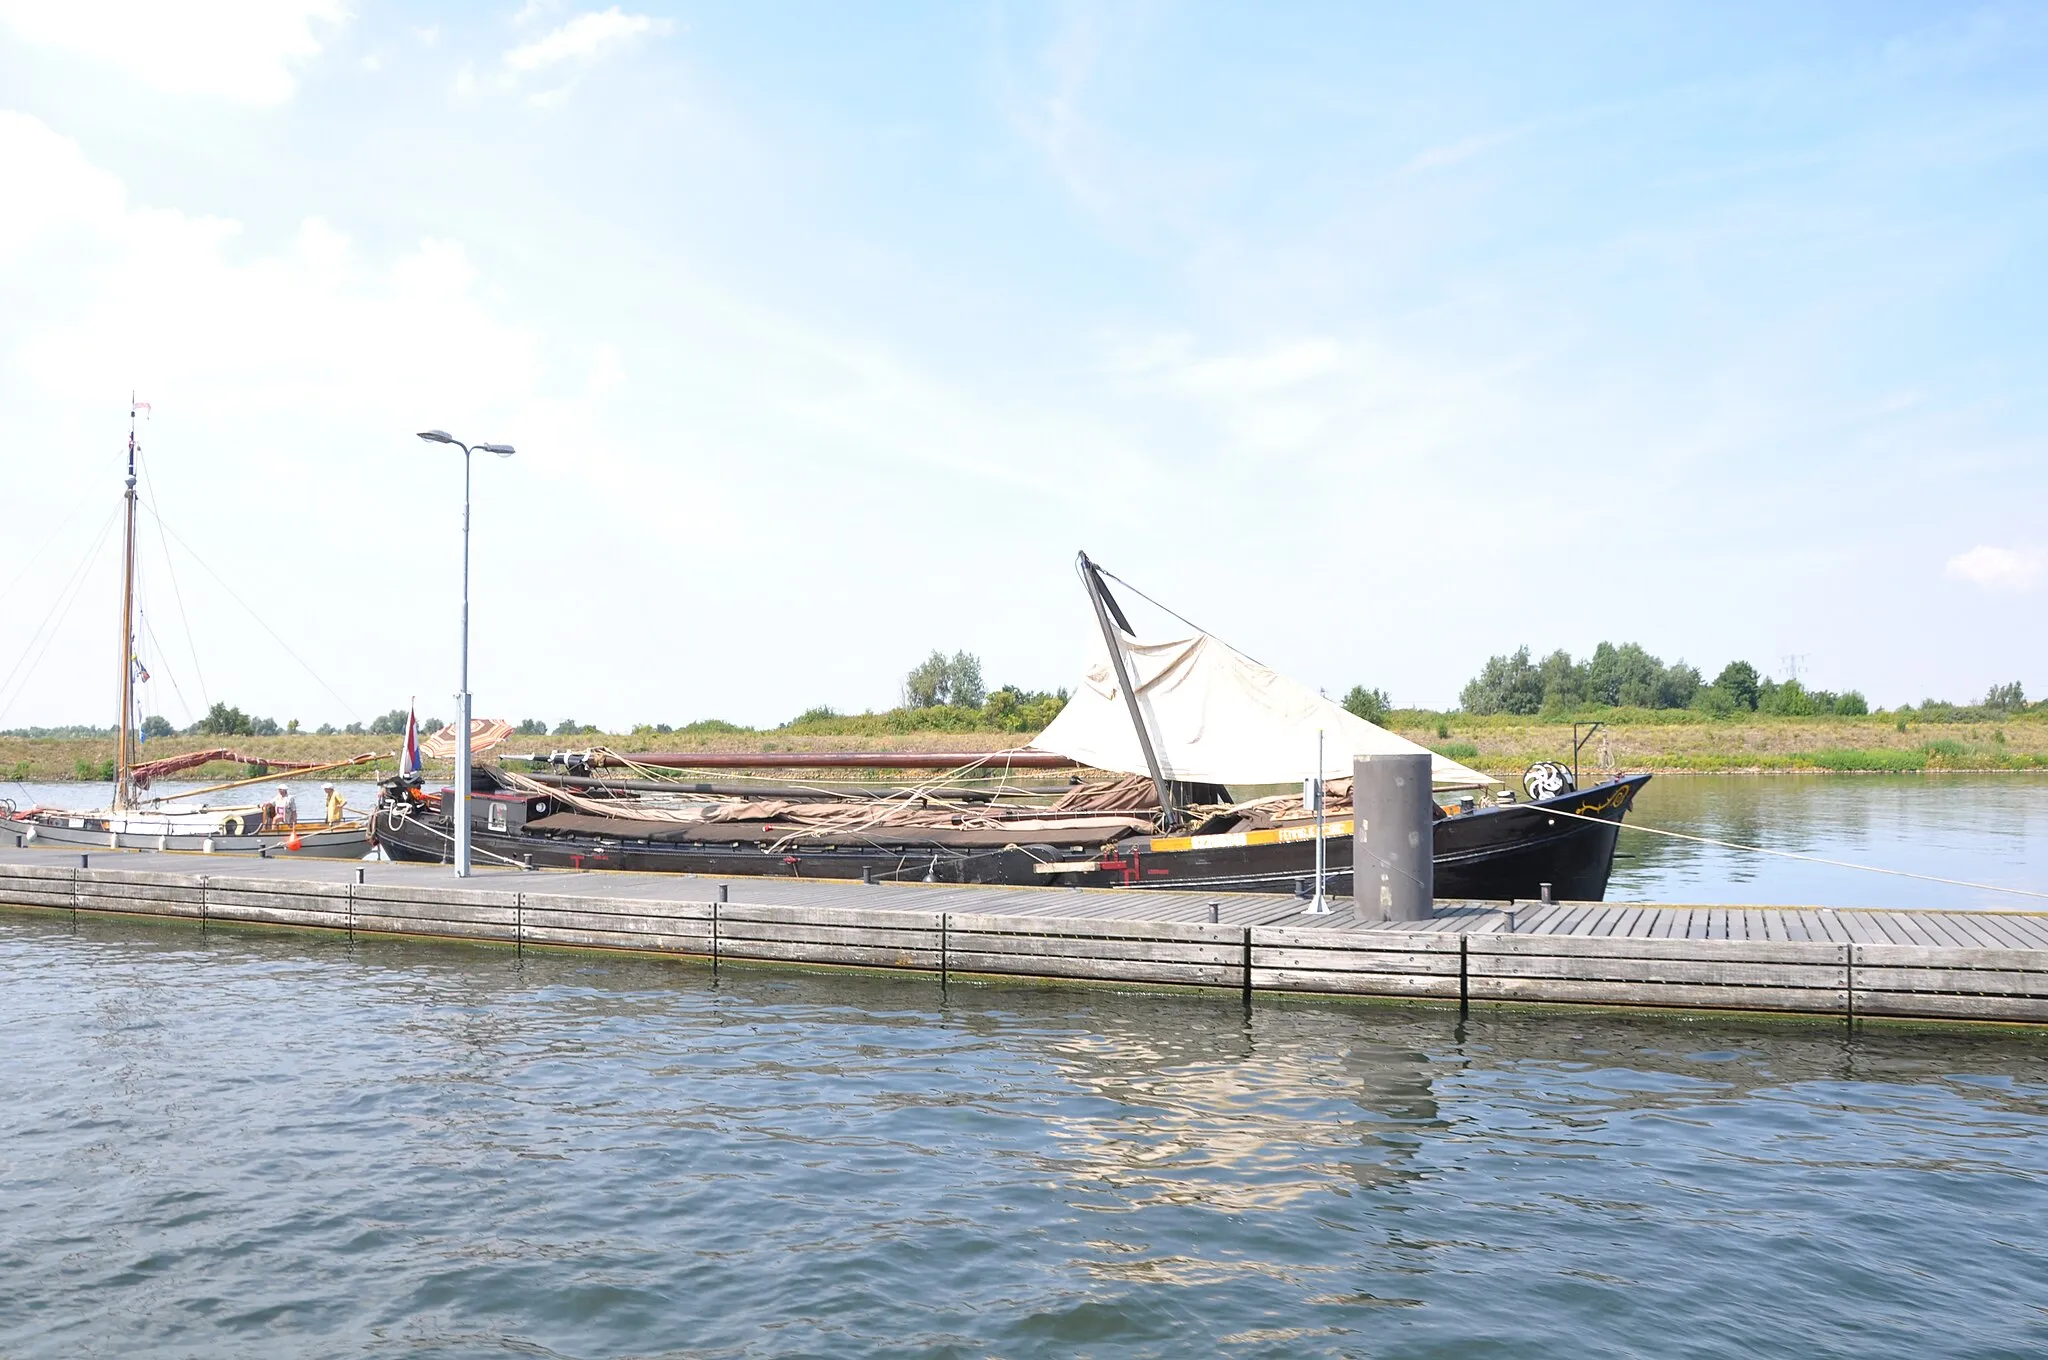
(1215, 716)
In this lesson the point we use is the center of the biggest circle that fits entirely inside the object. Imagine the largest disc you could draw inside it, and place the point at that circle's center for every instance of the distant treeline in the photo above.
(940, 694)
(1628, 676)
(945, 694)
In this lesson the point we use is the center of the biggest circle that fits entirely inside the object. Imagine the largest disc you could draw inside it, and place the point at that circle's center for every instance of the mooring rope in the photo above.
(1793, 854)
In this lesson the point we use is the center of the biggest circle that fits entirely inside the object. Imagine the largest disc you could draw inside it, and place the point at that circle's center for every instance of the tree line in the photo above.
(1629, 676)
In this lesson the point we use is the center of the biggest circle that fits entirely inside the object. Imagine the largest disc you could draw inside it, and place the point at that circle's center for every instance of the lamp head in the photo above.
(502, 450)
(437, 436)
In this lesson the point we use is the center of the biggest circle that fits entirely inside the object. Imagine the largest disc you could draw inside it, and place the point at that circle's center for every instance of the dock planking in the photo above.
(1941, 965)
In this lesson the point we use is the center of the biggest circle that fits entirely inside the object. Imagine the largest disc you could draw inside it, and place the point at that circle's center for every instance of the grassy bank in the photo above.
(1667, 741)
(43, 760)
(1679, 741)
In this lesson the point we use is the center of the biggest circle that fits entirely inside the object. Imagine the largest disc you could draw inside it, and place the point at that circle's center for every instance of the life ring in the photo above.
(232, 826)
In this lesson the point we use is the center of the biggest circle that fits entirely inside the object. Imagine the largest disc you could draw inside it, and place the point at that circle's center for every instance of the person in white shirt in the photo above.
(287, 809)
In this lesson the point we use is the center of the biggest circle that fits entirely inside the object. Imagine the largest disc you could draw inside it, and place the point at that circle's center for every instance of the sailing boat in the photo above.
(1171, 725)
(133, 822)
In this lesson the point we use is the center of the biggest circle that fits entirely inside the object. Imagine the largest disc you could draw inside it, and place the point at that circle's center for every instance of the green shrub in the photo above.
(712, 727)
(1877, 758)
(1457, 750)
(1369, 704)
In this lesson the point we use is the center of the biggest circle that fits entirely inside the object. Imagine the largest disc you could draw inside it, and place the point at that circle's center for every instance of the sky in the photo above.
(1373, 339)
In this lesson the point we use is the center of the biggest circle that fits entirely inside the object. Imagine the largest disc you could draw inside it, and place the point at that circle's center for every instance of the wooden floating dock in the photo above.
(1943, 965)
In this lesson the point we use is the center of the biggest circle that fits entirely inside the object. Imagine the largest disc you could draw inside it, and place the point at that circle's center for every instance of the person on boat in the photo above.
(337, 806)
(287, 815)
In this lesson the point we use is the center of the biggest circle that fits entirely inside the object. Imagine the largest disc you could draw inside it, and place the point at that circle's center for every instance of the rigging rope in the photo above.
(177, 592)
(37, 555)
(59, 610)
(1168, 608)
(275, 637)
(158, 649)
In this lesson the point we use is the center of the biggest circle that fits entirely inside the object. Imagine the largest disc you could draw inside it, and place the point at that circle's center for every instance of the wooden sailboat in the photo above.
(1168, 726)
(135, 823)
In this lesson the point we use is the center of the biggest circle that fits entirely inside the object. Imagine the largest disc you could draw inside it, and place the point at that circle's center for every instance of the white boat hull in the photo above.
(187, 835)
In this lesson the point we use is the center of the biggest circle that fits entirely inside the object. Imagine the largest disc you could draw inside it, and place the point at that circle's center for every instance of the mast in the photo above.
(124, 753)
(1105, 607)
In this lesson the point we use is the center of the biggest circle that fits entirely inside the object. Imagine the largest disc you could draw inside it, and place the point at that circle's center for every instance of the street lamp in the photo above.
(462, 760)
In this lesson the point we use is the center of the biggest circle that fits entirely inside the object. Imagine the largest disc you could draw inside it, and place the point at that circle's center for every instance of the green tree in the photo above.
(2008, 698)
(390, 724)
(1012, 708)
(1716, 702)
(1789, 700)
(1623, 677)
(1564, 683)
(1506, 684)
(156, 725)
(223, 721)
(1852, 704)
(1677, 685)
(1738, 680)
(1369, 704)
(940, 679)
(531, 727)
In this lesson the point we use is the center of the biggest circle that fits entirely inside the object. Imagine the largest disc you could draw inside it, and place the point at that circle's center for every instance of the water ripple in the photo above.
(271, 1146)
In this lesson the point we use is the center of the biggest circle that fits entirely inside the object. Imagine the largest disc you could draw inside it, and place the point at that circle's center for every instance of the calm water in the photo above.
(1990, 829)
(252, 1145)
(361, 793)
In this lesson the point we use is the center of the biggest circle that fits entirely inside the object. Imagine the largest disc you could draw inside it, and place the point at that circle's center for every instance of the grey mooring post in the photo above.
(1393, 867)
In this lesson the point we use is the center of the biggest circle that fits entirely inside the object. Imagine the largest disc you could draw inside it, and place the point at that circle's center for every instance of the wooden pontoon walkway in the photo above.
(1962, 965)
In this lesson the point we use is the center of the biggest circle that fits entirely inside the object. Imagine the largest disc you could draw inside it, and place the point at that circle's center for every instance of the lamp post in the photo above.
(462, 761)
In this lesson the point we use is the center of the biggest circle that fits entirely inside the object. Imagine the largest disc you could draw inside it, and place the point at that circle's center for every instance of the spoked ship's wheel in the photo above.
(1548, 779)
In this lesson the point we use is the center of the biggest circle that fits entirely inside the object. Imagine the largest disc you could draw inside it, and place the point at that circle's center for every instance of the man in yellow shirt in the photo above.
(337, 806)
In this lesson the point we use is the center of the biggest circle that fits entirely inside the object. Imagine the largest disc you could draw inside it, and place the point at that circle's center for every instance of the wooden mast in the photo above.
(1106, 606)
(124, 753)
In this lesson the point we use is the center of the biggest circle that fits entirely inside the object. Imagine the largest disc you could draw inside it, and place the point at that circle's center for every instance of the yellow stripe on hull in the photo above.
(1235, 840)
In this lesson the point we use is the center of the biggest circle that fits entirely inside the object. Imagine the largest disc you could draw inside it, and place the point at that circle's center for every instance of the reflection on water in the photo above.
(234, 1144)
(1989, 829)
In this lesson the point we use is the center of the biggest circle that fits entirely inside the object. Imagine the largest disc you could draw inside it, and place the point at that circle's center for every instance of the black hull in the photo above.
(1493, 854)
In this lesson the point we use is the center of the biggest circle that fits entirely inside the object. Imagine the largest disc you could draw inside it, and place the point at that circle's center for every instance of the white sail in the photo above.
(1215, 716)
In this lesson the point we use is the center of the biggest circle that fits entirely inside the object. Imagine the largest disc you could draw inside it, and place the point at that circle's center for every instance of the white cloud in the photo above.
(50, 183)
(2013, 569)
(1251, 374)
(239, 50)
(176, 299)
(583, 38)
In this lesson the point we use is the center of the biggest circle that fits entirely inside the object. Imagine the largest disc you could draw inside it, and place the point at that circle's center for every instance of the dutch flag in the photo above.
(409, 758)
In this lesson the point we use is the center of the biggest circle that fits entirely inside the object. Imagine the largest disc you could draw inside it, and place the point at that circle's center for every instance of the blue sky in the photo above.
(1375, 340)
